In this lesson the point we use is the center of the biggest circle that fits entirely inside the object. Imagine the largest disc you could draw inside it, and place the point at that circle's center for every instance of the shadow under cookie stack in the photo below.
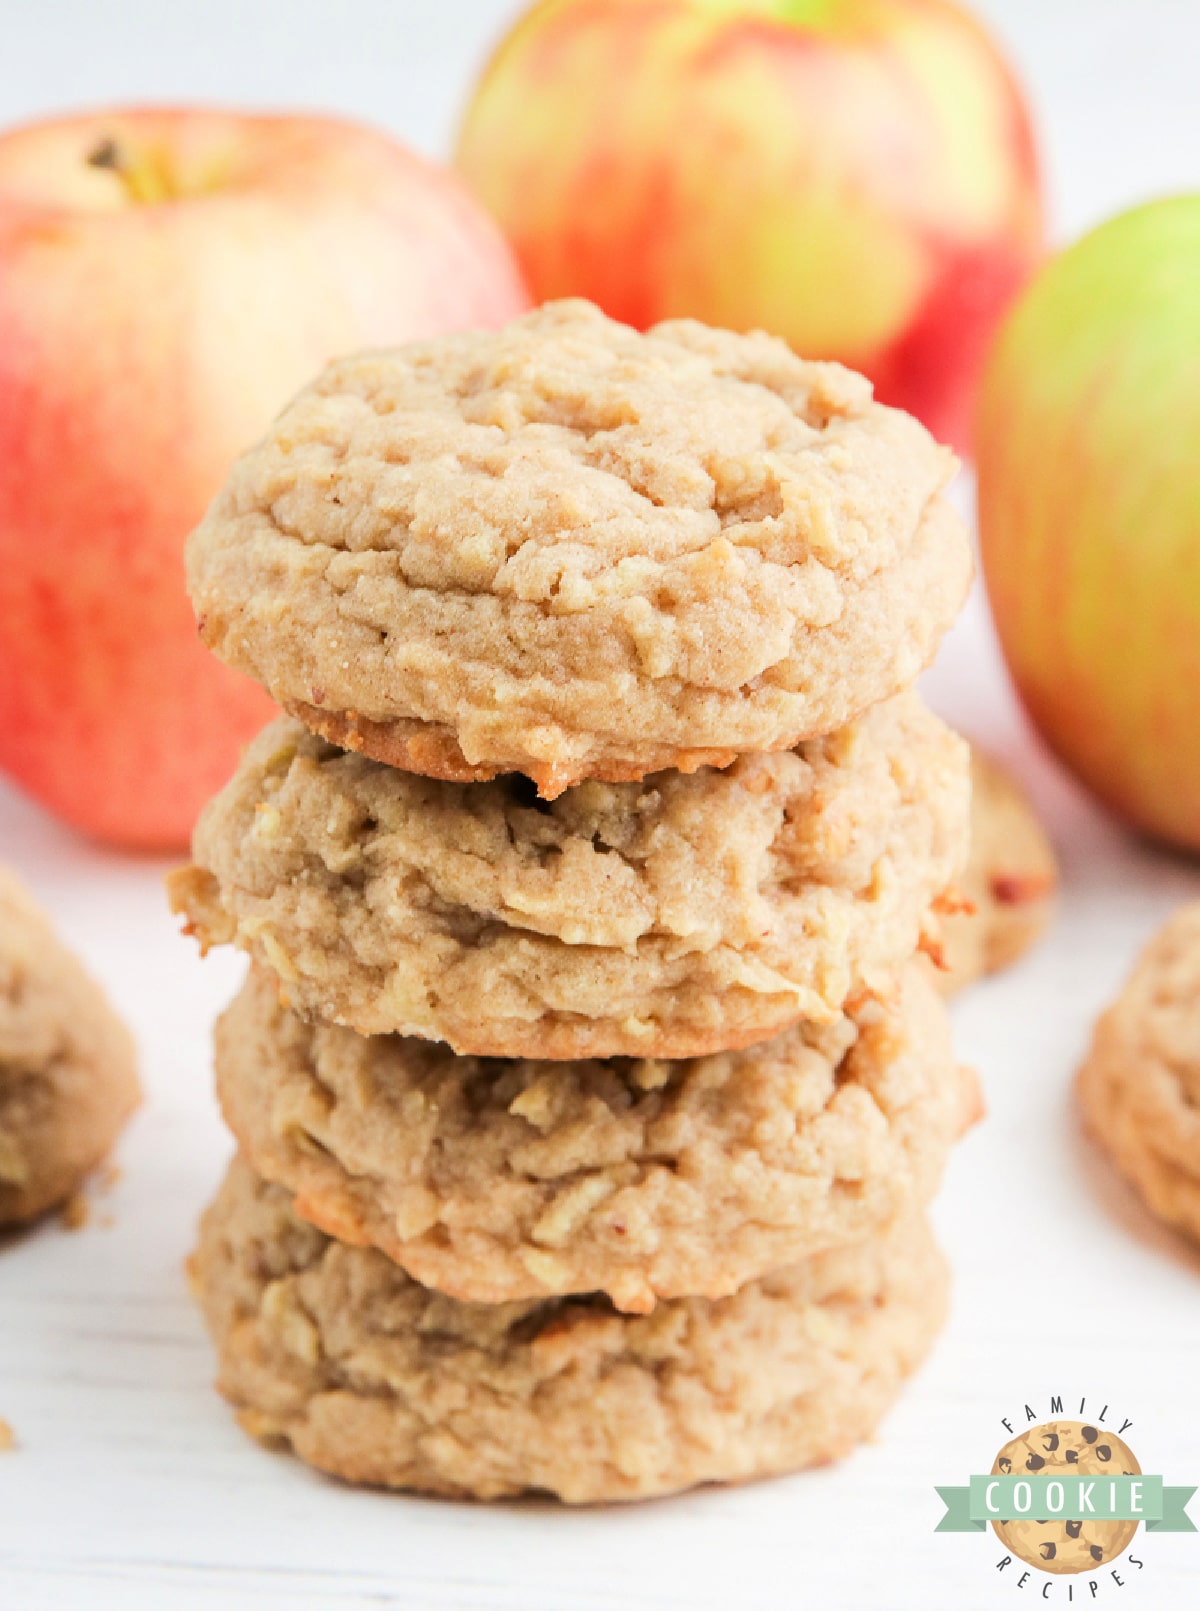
(588, 1087)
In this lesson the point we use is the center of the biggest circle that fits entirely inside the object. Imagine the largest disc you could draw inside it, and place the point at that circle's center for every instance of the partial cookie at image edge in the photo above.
(1139, 1085)
(68, 1079)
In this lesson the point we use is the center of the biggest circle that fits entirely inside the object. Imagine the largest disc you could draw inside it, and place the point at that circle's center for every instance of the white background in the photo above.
(132, 1488)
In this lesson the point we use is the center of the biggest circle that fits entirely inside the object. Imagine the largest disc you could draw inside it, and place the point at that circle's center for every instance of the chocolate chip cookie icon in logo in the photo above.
(1067, 1499)
(1072, 1449)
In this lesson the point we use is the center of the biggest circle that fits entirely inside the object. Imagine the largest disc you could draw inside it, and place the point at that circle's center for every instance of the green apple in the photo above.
(1088, 442)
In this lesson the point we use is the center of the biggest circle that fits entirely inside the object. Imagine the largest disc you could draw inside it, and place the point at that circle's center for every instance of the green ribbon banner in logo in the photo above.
(1071, 1498)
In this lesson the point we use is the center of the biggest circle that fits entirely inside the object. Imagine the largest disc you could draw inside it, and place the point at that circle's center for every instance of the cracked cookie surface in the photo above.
(367, 1375)
(667, 918)
(496, 1180)
(572, 550)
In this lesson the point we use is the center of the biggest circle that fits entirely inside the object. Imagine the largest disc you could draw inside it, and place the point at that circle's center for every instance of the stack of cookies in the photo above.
(588, 1089)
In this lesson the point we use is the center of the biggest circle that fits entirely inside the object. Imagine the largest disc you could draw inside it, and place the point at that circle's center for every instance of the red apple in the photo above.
(167, 280)
(1089, 510)
(857, 176)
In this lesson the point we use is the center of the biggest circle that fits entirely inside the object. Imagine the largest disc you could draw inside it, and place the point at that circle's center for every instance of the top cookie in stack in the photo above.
(573, 554)
(572, 551)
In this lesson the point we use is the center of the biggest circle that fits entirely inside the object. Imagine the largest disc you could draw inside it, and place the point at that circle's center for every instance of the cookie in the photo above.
(575, 551)
(334, 1350)
(67, 1073)
(1140, 1083)
(1073, 1448)
(1010, 881)
(497, 1180)
(666, 918)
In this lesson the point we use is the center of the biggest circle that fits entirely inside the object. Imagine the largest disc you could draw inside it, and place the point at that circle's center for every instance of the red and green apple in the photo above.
(167, 280)
(857, 176)
(1089, 511)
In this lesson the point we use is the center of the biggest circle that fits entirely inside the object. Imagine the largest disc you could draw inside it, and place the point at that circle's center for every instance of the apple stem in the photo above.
(142, 177)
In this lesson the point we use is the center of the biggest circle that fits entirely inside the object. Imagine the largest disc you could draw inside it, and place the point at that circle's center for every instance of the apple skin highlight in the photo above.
(1089, 511)
(154, 316)
(857, 176)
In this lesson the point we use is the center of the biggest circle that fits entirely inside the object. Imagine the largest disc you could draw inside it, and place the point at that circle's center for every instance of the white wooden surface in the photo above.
(130, 1486)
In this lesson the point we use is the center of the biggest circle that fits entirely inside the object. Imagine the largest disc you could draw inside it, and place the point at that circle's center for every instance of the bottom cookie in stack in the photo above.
(370, 1376)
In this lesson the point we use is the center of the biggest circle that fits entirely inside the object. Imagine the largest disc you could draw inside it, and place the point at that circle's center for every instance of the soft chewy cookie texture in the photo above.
(1010, 881)
(572, 550)
(495, 1180)
(664, 918)
(1140, 1083)
(67, 1075)
(371, 1377)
